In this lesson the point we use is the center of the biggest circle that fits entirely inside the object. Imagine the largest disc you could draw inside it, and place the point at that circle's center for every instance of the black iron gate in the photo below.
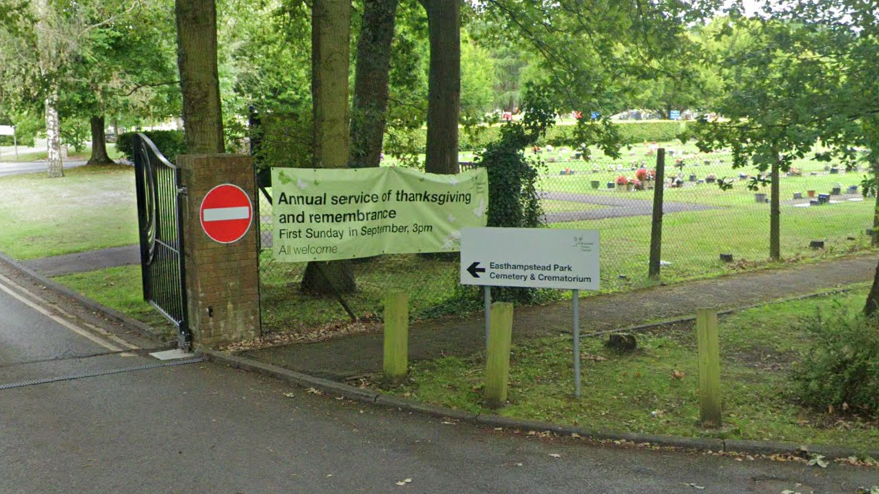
(161, 235)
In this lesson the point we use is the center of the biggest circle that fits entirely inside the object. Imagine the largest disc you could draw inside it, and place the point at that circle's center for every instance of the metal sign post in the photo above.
(487, 290)
(576, 294)
(532, 258)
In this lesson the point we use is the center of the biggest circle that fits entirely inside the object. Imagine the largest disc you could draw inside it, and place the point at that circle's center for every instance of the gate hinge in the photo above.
(182, 191)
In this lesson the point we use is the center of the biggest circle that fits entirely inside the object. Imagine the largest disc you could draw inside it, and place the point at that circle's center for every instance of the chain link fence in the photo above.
(706, 231)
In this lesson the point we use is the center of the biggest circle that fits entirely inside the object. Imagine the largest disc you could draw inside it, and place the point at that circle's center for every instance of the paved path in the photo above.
(17, 168)
(82, 262)
(352, 356)
(205, 428)
(618, 207)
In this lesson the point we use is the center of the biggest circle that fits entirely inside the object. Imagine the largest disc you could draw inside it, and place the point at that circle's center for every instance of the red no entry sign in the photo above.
(226, 213)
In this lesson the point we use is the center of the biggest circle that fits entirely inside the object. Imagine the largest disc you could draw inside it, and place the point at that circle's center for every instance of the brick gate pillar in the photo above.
(222, 279)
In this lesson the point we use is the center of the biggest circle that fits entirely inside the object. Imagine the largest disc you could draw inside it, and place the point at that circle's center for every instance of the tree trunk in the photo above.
(99, 144)
(874, 240)
(369, 115)
(199, 82)
(444, 85)
(775, 215)
(872, 306)
(330, 58)
(53, 136)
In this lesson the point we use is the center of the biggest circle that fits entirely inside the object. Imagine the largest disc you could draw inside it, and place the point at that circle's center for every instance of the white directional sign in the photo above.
(530, 257)
(7, 130)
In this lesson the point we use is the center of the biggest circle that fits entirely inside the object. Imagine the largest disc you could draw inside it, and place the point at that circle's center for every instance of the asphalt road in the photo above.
(206, 428)
(11, 168)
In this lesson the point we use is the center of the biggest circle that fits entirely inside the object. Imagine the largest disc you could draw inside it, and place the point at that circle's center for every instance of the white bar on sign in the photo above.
(223, 214)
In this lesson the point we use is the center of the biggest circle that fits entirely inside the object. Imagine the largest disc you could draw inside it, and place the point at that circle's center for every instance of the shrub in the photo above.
(283, 140)
(169, 142)
(841, 368)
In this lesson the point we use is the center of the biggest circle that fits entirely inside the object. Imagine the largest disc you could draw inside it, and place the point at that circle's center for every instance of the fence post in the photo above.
(656, 229)
(497, 361)
(709, 367)
(396, 348)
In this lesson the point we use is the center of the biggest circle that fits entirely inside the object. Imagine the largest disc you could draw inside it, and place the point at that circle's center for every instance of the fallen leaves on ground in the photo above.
(819, 461)
(305, 334)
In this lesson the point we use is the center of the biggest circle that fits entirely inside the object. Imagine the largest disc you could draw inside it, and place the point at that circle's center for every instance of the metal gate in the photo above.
(161, 235)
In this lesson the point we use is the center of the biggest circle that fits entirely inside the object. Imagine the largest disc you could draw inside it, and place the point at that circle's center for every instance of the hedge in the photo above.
(287, 138)
(169, 142)
(477, 138)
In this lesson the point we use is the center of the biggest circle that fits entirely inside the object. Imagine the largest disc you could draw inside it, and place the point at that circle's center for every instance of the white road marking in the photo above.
(101, 331)
(223, 214)
(63, 322)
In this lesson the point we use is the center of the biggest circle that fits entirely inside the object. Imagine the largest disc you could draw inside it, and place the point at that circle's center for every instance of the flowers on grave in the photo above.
(795, 172)
(710, 178)
(622, 180)
(637, 184)
(644, 174)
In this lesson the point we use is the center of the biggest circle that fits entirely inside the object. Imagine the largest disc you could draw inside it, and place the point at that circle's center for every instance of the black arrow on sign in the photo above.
(474, 270)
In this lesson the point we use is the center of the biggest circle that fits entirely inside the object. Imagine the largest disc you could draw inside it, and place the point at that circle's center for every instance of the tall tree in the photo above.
(845, 33)
(330, 59)
(773, 81)
(51, 49)
(199, 82)
(444, 89)
(125, 65)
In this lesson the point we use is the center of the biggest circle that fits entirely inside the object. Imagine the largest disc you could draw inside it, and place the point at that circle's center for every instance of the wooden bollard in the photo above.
(497, 361)
(396, 348)
(709, 368)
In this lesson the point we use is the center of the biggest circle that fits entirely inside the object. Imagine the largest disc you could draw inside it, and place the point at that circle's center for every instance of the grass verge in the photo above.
(120, 289)
(655, 390)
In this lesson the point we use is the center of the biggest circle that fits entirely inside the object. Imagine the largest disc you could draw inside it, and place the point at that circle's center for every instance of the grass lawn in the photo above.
(644, 392)
(693, 241)
(90, 208)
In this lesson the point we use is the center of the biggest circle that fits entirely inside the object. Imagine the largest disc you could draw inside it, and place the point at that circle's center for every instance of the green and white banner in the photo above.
(329, 214)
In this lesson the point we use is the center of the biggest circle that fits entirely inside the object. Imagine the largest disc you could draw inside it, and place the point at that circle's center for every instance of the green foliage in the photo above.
(513, 198)
(477, 138)
(28, 124)
(169, 142)
(841, 369)
(284, 141)
(263, 57)
(75, 132)
(478, 78)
